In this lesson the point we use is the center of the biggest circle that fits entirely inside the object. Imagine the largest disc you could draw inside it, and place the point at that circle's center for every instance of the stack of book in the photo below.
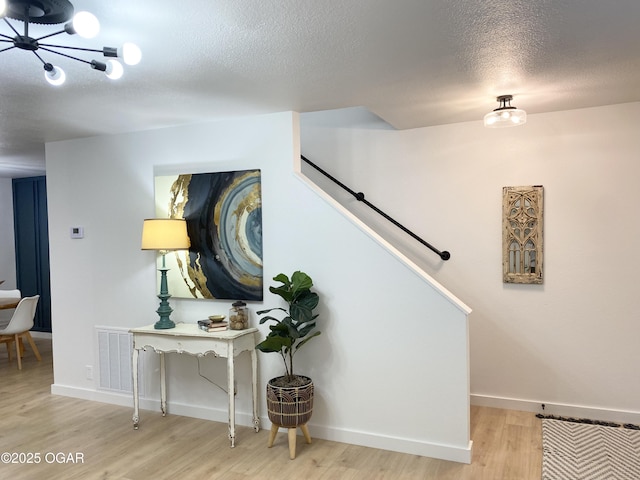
(216, 325)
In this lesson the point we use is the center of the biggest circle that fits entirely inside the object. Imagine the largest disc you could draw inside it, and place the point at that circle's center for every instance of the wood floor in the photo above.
(100, 440)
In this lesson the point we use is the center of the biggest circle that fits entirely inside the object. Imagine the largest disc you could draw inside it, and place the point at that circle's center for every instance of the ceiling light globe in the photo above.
(130, 53)
(505, 115)
(520, 117)
(55, 76)
(499, 120)
(490, 119)
(86, 24)
(114, 70)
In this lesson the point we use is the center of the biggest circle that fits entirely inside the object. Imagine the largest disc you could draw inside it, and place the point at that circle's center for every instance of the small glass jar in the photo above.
(238, 316)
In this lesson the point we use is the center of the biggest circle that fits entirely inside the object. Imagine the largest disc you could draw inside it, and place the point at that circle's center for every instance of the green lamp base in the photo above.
(164, 324)
(164, 310)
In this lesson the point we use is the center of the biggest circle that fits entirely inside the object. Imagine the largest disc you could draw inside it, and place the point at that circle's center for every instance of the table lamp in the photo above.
(164, 235)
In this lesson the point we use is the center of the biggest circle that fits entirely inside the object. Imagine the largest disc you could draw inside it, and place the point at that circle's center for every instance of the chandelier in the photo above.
(56, 12)
(505, 115)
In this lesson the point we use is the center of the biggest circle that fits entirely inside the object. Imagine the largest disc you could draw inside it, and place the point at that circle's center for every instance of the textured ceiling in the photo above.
(414, 63)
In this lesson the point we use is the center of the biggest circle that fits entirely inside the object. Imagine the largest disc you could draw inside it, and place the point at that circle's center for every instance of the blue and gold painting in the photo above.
(223, 211)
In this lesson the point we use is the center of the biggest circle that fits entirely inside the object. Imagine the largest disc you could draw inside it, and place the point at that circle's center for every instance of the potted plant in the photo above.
(290, 396)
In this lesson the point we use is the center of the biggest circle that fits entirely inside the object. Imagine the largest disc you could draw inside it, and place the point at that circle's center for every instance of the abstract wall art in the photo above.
(223, 211)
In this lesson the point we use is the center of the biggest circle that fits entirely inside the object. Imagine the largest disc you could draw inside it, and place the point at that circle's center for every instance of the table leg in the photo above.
(163, 387)
(136, 417)
(254, 389)
(231, 391)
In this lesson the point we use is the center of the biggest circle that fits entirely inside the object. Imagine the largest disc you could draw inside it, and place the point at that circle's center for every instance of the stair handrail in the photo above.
(444, 255)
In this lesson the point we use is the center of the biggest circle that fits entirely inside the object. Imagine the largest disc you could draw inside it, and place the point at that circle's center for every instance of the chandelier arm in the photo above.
(64, 54)
(39, 57)
(11, 26)
(50, 35)
(72, 48)
(8, 48)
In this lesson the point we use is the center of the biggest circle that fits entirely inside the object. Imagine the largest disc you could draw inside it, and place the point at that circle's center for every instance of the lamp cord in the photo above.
(235, 392)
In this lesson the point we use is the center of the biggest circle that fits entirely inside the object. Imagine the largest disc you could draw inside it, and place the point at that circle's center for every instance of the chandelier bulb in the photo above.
(54, 75)
(86, 24)
(114, 70)
(130, 53)
(3, 7)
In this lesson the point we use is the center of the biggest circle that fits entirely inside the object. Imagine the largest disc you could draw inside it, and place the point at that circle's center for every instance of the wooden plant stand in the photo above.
(292, 437)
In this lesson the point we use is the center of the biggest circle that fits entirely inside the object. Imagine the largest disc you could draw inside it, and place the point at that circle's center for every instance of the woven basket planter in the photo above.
(290, 407)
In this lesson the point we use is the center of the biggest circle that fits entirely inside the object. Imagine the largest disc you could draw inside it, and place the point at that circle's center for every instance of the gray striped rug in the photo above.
(578, 451)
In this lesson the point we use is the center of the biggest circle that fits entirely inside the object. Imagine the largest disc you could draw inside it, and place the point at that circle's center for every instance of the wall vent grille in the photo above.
(115, 347)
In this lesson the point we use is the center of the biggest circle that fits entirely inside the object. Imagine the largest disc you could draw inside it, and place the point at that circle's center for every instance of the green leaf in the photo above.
(262, 312)
(293, 332)
(302, 309)
(282, 278)
(305, 328)
(300, 281)
(281, 329)
(264, 319)
(283, 290)
(274, 344)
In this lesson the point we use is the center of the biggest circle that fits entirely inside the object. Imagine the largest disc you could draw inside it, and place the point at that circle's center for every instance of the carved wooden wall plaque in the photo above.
(522, 220)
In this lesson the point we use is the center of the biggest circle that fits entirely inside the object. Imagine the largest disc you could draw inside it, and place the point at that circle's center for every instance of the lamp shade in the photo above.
(164, 234)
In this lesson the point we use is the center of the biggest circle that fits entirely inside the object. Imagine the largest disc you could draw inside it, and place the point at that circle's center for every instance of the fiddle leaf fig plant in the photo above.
(297, 323)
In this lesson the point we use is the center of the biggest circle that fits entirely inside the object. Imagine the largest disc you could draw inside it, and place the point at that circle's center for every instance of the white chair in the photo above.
(19, 326)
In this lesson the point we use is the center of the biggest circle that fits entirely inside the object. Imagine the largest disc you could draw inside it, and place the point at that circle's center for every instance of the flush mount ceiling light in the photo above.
(55, 12)
(505, 115)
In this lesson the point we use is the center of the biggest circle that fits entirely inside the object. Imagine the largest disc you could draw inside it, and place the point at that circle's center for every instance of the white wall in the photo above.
(571, 343)
(7, 245)
(391, 366)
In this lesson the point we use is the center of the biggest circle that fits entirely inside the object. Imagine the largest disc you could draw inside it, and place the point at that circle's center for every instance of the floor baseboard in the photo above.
(557, 409)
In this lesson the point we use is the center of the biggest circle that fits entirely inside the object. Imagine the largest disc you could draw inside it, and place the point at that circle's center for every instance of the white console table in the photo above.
(188, 338)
